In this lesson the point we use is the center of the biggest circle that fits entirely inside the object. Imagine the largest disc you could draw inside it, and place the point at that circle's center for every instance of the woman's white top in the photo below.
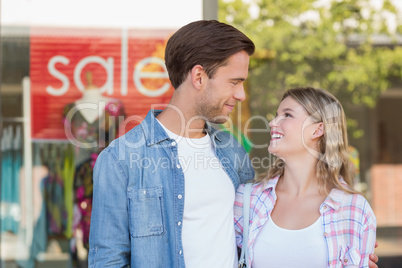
(278, 247)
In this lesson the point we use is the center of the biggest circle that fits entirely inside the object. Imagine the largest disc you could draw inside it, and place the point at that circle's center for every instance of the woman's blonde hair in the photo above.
(333, 162)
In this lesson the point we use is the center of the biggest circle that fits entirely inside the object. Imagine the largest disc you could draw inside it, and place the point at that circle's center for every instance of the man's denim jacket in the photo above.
(138, 196)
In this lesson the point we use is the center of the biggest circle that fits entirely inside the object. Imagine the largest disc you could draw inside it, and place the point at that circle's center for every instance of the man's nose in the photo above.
(240, 94)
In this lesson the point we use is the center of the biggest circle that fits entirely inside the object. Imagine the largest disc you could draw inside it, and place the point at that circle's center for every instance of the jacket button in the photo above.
(178, 166)
(173, 143)
(180, 252)
(179, 223)
(180, 196)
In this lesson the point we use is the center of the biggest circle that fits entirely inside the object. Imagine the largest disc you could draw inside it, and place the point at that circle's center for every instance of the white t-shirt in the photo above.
(276, 247)
(208, 229)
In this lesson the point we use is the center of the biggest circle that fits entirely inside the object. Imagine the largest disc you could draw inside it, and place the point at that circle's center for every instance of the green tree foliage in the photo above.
(328, 44)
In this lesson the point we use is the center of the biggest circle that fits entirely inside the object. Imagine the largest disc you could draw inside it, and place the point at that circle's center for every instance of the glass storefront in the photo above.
(74, 76)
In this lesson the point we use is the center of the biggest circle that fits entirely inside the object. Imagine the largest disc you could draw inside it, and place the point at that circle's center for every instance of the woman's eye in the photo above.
(288, 115)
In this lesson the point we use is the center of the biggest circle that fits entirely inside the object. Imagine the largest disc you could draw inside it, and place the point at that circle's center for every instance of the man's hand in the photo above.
(373, 258)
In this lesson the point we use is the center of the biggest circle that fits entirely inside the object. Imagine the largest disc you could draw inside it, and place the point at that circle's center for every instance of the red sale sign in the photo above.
(125, 64)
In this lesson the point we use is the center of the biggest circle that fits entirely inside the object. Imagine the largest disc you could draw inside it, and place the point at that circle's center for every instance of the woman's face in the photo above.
(291, 130)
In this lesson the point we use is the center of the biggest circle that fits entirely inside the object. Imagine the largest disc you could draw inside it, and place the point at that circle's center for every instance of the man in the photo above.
(164, 192)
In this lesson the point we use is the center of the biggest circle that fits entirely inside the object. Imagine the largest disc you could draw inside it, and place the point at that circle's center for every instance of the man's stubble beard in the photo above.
(211, 112)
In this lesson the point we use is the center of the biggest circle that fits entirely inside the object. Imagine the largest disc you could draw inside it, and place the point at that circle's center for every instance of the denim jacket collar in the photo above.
(154, 132)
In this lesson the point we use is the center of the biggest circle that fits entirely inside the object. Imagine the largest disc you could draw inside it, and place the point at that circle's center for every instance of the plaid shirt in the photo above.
(348, 222)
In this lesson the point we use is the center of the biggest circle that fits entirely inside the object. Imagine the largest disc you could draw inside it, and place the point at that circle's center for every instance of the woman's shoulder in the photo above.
(358, 204)
(354, 199)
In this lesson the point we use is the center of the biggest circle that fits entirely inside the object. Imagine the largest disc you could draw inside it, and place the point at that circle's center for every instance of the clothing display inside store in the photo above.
(40, 173)
(91, 123)
(10, 185)
(60, 211)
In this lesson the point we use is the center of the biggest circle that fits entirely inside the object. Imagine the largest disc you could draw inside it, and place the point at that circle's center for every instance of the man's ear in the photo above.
(197, 76)
(319, 130)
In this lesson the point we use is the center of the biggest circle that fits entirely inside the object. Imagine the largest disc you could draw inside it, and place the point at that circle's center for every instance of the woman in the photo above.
(305, 213)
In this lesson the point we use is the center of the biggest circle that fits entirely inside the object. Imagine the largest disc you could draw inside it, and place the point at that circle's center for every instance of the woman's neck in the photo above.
(300, 177)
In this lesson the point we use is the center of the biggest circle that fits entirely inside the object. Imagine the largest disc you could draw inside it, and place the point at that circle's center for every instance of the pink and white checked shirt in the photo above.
(348, 222)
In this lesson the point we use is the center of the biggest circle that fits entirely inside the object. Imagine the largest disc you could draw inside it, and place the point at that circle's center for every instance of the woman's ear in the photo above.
(319, 130)
(197, 76)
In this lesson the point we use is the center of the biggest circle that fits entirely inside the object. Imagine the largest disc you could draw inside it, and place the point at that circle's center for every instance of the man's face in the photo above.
(224, 89)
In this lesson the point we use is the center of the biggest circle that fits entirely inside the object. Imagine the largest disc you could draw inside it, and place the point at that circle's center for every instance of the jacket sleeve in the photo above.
(238, 215)
(109, 238)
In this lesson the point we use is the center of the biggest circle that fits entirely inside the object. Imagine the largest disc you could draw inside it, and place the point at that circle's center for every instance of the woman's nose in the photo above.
(273, 122)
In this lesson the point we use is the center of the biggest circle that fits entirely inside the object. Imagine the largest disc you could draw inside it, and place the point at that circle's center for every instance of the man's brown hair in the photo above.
(208, 43)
